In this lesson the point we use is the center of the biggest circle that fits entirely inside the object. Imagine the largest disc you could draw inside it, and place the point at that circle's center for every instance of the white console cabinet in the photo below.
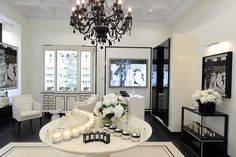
(61, 101)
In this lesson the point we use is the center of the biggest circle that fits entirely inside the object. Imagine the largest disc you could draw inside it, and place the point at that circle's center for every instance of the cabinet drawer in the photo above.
(48, 107)
(47, 102)
(45, 107)
(84, 97)
(48, 97)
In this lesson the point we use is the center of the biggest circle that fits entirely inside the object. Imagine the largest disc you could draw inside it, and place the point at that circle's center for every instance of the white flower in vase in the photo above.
(207, 100)
(110, 106)
(119, 110)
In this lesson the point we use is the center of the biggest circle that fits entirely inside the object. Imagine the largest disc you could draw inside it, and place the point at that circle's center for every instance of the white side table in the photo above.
(136, 105)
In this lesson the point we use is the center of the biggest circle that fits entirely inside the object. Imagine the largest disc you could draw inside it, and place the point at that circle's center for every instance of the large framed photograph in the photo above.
(217, 73)
(8, 67)
(128, 72)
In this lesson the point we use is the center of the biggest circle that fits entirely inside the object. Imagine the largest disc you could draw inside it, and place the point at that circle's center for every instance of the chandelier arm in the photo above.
(120, 31)
(89, 26)
(113, 23)
(108, 17)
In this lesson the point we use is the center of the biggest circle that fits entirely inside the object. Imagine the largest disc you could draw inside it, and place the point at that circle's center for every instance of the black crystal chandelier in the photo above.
(99, 23)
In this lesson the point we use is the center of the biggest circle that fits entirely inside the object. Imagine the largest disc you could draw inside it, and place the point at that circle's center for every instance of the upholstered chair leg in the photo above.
(19, 123)
(41, 123)
(31, 122)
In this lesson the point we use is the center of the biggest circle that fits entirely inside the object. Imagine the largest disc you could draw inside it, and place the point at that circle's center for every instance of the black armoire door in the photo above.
(160, 81)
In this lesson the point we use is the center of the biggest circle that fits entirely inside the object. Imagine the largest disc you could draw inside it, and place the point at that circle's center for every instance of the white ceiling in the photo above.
(167, 11)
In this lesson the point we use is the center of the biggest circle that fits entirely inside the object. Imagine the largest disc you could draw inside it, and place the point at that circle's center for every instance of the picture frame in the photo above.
(217, 73)
(8, 67)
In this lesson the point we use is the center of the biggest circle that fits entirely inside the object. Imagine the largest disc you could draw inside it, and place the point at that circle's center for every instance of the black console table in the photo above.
(204, 145)
(5, 113)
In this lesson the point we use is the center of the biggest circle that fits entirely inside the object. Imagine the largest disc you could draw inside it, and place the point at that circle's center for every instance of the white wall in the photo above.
(130, 53)
(14, 33)
(58, 32)
(218, 28)
(182, 76)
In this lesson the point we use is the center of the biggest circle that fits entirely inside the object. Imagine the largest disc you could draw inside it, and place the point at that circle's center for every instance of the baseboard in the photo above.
(164, 126)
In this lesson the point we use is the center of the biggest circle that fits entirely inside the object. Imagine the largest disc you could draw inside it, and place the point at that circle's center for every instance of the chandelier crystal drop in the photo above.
(99, 23)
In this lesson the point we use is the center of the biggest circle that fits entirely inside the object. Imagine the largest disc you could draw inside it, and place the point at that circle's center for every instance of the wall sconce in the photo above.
(218, 47)
(212, 44)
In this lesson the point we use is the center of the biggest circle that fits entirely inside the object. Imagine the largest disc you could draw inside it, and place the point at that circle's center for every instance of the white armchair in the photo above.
(86, 105)
(25, 108)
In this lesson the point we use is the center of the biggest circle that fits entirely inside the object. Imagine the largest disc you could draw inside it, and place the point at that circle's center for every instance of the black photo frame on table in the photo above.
(217, 73)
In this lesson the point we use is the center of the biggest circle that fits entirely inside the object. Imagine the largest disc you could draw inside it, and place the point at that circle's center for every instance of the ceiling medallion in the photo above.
(99, 23)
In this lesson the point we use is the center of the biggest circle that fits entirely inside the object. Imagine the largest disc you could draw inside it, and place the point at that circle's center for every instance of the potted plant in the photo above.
(207, 100)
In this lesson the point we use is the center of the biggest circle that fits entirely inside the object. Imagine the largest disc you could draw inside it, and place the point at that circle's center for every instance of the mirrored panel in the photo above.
(160, 81)
(66, 70)
(86, 71)
(49, 57)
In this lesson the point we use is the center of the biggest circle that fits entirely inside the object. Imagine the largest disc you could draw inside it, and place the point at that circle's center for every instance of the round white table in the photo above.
(95, 149)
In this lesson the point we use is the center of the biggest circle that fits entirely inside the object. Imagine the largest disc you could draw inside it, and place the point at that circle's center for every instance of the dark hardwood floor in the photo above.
(30, 133)
(161, 133)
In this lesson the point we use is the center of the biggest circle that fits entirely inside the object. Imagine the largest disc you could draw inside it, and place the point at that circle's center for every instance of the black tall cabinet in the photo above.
(160, 81)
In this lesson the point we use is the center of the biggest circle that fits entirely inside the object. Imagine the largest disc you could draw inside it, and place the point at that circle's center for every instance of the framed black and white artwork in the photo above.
(8, 67)
(128, 72)
(217, 73)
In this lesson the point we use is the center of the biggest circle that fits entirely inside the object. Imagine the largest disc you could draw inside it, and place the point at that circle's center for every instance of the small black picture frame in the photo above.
(217, 73)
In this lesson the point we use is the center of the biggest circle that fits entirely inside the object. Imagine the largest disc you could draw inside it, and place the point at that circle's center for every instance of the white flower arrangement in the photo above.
(206, 96)
(110, 106)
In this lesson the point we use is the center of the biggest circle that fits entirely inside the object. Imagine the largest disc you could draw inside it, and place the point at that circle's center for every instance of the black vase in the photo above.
(209, 107)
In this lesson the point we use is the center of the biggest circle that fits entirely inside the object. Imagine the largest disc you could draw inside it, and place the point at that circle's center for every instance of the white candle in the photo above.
(82, 129)
(56, 137)
(78, 2)
(87, 126)
(75, 132)
(76, 110)
(91, 117)
(67, 135)
(91, 122)
(129, 11)
(73, 9)
(119, 4)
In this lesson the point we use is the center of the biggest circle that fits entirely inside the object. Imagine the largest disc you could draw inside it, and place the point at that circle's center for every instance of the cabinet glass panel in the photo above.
(86, 71)
(49, 84)
(66, 70)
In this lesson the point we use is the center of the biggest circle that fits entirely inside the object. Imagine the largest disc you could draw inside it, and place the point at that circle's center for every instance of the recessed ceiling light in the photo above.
(150, 10)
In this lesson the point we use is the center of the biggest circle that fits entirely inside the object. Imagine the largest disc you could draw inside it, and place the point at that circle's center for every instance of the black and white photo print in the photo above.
(217, 73)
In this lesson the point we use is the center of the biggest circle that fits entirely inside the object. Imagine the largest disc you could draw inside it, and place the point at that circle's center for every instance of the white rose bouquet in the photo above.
(110, 106)
(206, 96)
